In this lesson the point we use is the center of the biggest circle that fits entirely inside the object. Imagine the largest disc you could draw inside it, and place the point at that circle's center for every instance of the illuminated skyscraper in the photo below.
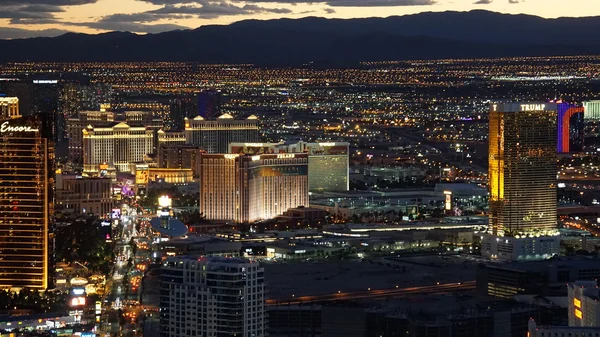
(244, 188)
(26, 203)
(522, 179)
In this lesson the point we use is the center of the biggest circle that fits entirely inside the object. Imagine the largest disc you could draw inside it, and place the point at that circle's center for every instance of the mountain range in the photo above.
(328, 42)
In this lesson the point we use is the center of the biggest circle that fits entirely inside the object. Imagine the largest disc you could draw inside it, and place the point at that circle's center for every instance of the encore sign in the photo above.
(6, 127)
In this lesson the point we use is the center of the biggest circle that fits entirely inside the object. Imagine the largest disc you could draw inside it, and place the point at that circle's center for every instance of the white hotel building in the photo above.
(212, 297)
(117, 146)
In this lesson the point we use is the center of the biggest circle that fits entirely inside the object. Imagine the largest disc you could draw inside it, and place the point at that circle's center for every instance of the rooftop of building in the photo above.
(177, 228)
(555, 262)
(209, 259)
(191, 239)
(321, 277)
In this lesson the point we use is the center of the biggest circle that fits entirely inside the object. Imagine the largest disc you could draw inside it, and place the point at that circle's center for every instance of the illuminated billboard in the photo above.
(448, 200)
(77, 301)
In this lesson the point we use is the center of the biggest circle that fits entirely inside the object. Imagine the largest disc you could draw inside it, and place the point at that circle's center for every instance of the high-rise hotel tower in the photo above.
(522, 181)
(245, 188)
(26, 202)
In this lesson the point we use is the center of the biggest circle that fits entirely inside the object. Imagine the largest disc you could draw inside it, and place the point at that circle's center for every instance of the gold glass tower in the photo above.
(522, 168)
(26, 203)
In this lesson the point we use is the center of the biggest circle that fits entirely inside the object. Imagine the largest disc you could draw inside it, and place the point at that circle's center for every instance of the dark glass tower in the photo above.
(522, 168)
(209, 103)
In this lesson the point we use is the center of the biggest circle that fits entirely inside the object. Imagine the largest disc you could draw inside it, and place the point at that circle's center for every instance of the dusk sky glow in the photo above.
(30, 18)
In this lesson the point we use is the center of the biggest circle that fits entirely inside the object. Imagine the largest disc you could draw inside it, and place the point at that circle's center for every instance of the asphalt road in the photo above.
(377, 293)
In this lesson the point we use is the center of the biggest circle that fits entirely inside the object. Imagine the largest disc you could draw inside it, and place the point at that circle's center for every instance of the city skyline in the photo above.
(33, 18)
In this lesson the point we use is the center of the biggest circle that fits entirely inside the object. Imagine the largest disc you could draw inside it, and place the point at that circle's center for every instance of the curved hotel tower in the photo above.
(26, 202)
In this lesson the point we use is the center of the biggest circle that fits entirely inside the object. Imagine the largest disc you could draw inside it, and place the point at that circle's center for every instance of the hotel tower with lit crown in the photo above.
(26, 203)
(522, 181)
(245, 188)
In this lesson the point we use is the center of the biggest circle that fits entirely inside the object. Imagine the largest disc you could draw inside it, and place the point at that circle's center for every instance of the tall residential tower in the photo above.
(212, 296)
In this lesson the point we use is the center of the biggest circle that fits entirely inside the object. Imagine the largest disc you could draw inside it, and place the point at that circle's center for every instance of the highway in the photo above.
(376, 293)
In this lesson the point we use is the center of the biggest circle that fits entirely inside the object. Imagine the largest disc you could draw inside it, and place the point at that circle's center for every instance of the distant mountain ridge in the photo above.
(328, 42)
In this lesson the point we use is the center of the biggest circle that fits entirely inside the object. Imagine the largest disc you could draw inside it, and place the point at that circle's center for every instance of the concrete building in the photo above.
(584, 308)
(509, 248)
(328, 162)
(546, 278)
(212, 296)
(79, 194)
(431, 316)
(76, 125)
(560, 331)
(522, 181)
(214, 136)
(116, 145)
(178, 156)
(244, 188)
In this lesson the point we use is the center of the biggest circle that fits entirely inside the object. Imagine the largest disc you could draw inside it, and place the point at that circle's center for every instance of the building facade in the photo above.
(212, 296)
(170, 138)
(559, 331)
(214, 136)
(117, 146)
(244, 188)
(328, 162)
(522, 179)
(76, 125)
(178, 156)
(9, 107)
(83, 195)
(522, 167)
(26, 203)
(584, 308)
(591, 110)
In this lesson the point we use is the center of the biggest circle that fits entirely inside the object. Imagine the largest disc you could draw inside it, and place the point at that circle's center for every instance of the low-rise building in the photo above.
(536, 277)
(584, 308)
(79, 194)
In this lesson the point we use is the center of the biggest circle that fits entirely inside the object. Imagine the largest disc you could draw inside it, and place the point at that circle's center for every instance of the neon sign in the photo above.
(6, 127)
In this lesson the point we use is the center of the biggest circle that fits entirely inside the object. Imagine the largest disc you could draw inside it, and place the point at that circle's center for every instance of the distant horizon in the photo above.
(49, 18)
